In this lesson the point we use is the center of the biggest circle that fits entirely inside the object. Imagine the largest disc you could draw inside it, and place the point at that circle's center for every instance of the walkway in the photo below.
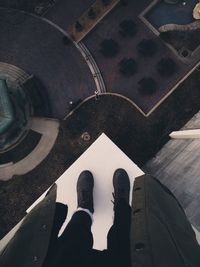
(100, 85)
(49, 130)
(38, 49)
(58, 16)
(64, 13)
(99, 11)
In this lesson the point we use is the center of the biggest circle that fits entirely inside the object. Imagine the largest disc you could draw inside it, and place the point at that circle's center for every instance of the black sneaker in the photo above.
(84, 188)
(121, 184)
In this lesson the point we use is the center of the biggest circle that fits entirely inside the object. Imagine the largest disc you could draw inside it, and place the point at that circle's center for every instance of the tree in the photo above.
(109, 48)
(147, 47)
(147, 86)
(91, 13)
(166, 67)
(78, 26)
(128, 66)
(127, 28)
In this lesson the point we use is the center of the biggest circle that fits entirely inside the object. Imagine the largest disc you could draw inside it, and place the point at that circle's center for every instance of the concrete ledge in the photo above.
(187, 134)
(102, 158)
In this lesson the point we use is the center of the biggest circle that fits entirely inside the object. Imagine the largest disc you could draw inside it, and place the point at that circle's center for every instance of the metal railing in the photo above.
(100, 85)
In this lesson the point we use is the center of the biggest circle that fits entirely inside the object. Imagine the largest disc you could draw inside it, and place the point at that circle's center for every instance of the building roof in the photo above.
(6, 108)
(177, 165)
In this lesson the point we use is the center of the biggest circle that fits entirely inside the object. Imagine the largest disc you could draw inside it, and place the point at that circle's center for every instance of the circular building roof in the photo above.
(15, 110)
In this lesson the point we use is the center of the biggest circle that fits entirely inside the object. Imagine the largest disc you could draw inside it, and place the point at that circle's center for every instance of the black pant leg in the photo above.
(119, 236)
(75, 244)
(59, 218)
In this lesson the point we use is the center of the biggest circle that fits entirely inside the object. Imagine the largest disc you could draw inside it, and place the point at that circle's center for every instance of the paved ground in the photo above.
(65, 12)
(28, 6)
(115, 82)
(36, 47)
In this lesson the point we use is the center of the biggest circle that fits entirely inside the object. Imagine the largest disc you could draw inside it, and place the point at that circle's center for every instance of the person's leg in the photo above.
(78, 231)
(75, 243)
(118, 238)
(119, 235)
(59, 218)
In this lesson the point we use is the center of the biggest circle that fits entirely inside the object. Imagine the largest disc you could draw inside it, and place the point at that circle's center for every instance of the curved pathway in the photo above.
(58, 18)
(13, 74)
(100, 85)
(49, 130)
(38, 49)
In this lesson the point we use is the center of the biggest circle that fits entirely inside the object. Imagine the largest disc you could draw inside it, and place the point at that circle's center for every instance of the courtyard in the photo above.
(67, 75)
(115, 81)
